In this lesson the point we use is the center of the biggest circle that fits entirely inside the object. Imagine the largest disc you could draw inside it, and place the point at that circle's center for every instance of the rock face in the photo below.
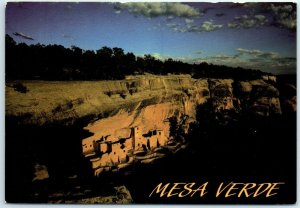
(66, 102)
(289, 98)
(139, 130)
(262, 98)
(136, 113)
(222, 94)
(144, 128)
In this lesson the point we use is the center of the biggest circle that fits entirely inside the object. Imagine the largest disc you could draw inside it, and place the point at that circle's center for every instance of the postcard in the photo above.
(150, 103)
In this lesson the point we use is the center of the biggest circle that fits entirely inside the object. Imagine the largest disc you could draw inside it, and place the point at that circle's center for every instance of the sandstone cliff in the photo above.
(47, 102)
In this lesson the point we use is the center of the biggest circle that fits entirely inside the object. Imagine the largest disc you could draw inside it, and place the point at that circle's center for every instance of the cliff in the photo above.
(177, 97)
(51, 101)
(48, 102)
(130, 119)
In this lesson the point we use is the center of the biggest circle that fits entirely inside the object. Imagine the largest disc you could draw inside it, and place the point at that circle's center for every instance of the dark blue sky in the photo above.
(254, 35)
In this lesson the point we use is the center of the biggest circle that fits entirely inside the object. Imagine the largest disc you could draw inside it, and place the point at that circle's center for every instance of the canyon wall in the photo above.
(137, 133)
(130, 119)
(65, 102)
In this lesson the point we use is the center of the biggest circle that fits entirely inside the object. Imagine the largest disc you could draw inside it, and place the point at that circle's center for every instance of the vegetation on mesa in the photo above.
(55, 62)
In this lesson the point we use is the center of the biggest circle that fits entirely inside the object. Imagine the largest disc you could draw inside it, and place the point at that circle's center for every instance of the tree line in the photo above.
(55, 62)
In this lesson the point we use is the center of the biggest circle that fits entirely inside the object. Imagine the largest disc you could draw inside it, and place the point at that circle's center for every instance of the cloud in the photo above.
(249, 51)
(285, 15)
(220, 59)
(246, 21)
(22, 35)
(170, 17)
(189, 21)
(260, 18)
(206, 26)
(232, 25)
(252, 59)
(268, 60)
(258, 54)
(181, 30)
(161, 57)
(156, 9)
(171, 11)
(289, 23)
(172, 25)
(279, 15)
(209, 26)
(246, 58)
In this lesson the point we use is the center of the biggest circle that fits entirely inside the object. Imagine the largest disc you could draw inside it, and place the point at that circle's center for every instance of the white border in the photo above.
(2, 112)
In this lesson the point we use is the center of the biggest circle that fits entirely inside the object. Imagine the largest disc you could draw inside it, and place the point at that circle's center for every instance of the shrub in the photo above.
(19, 87)
(123, 95)
(57, 109)
(79, 101)
(68, 105)
(131, 91)
(109, 93)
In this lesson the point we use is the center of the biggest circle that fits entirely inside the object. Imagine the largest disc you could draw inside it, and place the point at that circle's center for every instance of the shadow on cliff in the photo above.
(225, 147)
(56, 148)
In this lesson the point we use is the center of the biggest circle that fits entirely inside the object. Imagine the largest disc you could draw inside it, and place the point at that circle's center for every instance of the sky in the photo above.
(250, 35)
